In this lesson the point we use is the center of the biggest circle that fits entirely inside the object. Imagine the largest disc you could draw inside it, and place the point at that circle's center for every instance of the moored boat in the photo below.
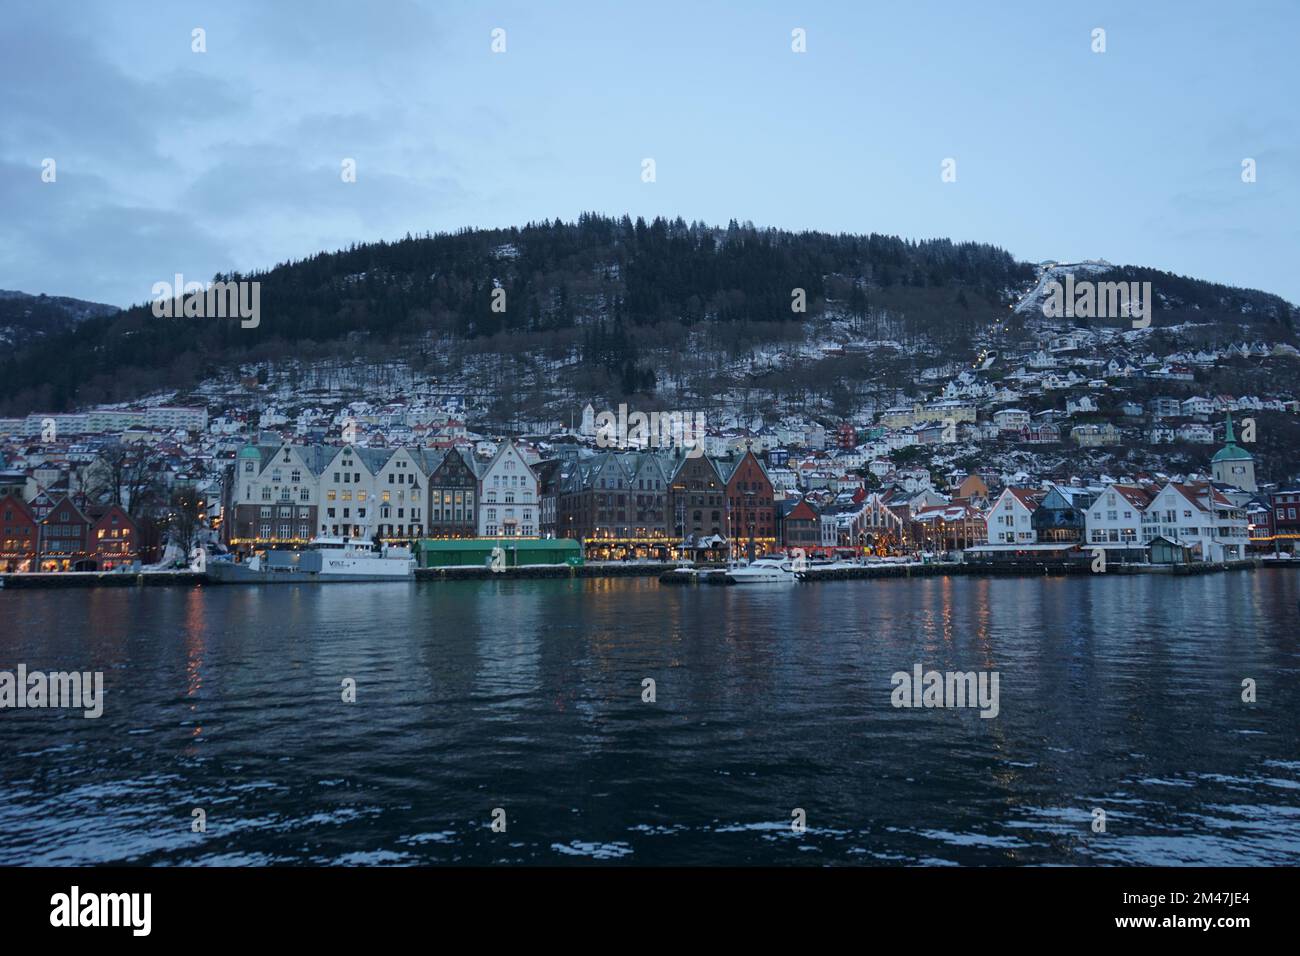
(771, 569)
(326, 561)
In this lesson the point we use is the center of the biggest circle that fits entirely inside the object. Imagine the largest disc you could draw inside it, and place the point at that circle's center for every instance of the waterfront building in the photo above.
(18, 535)
(270, 495)
(507, 492)
(1200, 518)
(751, 512)
(65, 537)
(949, 527)
(114, 541)
(696, 501)
(511, 552)
(1285, 519)
(1059, 517)
(452, 492)
(1116, 521)
(617, 504)
(1010, 520)
(399, 491)
(801, 527)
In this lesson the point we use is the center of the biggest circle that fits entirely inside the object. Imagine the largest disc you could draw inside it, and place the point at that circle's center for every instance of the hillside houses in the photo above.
(276, 466)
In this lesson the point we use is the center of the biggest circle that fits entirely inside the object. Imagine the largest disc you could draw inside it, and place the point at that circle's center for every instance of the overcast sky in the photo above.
(168, 160)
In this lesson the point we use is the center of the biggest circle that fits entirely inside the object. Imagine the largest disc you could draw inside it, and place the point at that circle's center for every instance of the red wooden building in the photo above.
(18, 533)
(751, 509)
(65, 538)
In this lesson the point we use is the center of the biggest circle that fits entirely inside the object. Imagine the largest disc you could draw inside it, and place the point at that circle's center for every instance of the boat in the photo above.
(771, 569)
(326, 561)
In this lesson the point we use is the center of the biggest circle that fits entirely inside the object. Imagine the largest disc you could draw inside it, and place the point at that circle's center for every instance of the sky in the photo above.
(168, 160)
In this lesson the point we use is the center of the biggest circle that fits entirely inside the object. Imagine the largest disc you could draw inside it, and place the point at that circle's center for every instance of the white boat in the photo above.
(326, 561)
(772, 569)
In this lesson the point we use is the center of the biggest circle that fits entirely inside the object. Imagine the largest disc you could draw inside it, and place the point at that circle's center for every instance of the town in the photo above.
(128, 487)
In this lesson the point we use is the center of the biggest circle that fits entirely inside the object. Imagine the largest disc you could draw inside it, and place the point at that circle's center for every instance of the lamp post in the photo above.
(749, 514)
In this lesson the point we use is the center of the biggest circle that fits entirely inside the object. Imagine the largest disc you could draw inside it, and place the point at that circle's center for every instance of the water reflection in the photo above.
(1121, 693)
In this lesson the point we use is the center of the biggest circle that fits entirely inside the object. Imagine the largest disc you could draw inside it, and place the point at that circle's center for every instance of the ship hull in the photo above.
(310, 568)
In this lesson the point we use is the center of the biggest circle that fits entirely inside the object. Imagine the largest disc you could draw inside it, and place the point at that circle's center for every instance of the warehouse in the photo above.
(478, 552)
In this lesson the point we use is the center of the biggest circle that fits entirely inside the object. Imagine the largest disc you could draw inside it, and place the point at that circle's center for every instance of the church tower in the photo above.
(1233, 465)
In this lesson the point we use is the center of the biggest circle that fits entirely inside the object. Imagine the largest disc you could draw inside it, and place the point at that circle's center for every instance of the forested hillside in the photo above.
(616, 293)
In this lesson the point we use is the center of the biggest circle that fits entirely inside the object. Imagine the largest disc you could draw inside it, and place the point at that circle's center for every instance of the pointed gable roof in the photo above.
(803, 511)
(57, 509)
(682, 461)
(16, 502)
(507, 447)
(1029, 497)
(1134, 495)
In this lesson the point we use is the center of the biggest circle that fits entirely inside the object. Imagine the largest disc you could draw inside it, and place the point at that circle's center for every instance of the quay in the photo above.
(666, 573)
(105, 579)
(613, 569)
(97, 579)
(978, 569)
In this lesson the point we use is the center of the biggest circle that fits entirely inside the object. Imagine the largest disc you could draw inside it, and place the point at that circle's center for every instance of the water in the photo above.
(1119, 693)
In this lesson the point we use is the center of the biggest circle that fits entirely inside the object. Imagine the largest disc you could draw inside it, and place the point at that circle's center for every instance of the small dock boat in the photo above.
(773, 569)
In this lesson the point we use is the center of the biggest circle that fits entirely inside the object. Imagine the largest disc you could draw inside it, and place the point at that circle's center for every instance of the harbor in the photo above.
(527, 694)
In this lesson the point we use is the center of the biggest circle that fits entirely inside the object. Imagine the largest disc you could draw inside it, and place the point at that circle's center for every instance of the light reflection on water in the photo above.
(1120, 693)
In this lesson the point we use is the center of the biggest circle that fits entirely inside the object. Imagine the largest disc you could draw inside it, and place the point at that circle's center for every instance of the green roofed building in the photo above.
(515, 552)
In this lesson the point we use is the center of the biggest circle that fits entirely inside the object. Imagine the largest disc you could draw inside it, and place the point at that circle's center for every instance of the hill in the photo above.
(612, 304)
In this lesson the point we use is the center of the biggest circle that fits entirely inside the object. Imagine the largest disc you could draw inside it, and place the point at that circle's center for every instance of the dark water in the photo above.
(1122, 693)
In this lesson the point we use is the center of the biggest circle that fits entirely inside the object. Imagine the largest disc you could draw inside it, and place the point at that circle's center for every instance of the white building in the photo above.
(1010, 520)
(1199, 518)
(1116, 518)
(1011, 419)
(508, 503)
(1198, 406)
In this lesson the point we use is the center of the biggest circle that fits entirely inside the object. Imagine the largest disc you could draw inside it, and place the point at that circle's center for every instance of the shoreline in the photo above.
(665, 572)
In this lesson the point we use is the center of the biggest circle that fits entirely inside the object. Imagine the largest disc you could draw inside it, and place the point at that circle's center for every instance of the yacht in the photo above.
(766, 570)
(326, 561)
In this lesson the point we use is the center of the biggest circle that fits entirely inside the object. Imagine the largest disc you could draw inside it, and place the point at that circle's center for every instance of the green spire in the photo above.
(1231, 451)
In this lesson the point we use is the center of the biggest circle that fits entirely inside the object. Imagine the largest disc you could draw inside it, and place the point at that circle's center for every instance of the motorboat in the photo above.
(771, 569)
